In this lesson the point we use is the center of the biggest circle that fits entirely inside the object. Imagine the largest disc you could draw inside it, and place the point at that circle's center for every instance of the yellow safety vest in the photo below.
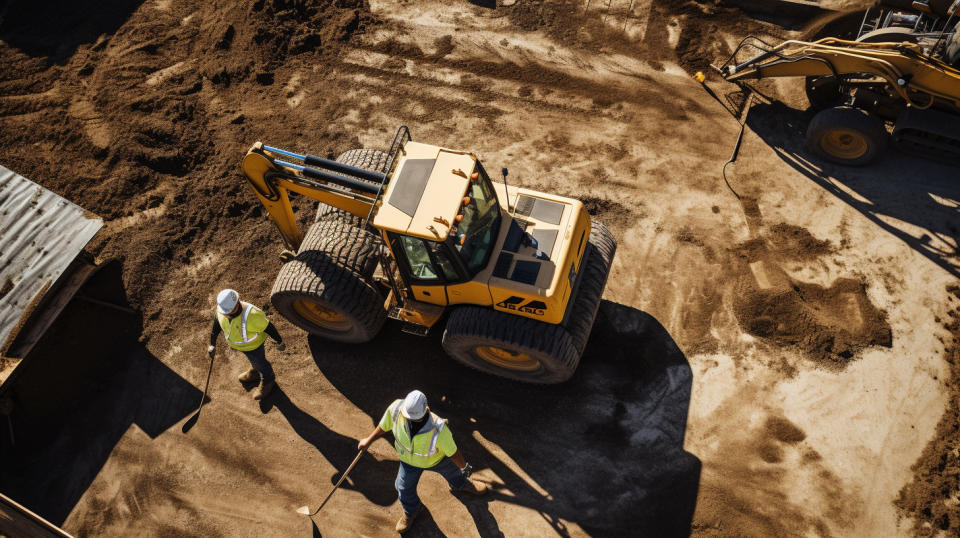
(422, 450)
(244, 332)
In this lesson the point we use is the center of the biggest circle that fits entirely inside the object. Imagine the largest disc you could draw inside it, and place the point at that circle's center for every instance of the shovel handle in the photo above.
(342, 478)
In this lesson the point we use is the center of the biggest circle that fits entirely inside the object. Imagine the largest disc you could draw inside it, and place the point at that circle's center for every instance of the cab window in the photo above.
(420, 256)
(481, 222)
(421, 267)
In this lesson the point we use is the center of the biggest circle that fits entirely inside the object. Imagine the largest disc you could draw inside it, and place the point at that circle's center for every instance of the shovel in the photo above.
(196, 416)
(305, 510)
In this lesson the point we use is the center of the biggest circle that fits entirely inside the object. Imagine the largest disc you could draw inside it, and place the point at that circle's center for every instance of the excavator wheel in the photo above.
(892, 34)
(328, 289)
(369, 159)
(510, 346)
(846, 135)
(525, 349)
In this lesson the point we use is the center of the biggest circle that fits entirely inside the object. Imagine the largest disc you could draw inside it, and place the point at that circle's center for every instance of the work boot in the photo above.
(249, 376)
(264, 390)
(406, 521)
(474, 487)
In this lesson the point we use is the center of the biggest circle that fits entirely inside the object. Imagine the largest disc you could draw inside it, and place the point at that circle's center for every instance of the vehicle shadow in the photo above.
(915, 199)
(56, 28)
(87, 381)
(603, 450)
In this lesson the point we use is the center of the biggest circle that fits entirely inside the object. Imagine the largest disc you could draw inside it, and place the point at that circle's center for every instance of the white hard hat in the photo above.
(414, 406)
(227, 301)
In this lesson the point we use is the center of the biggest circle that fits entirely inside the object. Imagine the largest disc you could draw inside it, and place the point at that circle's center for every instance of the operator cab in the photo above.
(455, 243)
(440, 215)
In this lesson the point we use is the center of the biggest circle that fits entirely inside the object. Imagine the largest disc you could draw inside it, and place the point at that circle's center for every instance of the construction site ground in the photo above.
(772, 357)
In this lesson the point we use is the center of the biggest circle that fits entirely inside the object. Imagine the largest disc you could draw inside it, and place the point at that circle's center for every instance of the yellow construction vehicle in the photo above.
(900, 76)
(421, 230)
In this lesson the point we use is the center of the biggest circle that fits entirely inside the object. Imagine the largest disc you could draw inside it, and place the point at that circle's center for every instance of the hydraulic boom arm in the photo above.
(918, 79)
(272, 174)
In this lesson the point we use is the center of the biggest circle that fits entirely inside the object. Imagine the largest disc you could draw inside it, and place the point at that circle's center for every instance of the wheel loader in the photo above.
(421, 232)
(899, 79)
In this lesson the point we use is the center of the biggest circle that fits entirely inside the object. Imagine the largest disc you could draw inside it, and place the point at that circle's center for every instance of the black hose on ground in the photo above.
(743, 124)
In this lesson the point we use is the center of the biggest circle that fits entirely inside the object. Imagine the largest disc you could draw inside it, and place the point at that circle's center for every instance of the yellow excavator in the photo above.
(899, 79)
(420, 231)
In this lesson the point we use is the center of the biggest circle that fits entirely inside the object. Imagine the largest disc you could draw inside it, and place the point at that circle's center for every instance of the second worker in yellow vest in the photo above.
(424, 442)
(245, 328)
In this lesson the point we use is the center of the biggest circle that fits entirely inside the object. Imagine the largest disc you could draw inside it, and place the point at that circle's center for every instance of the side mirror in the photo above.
(504, 171)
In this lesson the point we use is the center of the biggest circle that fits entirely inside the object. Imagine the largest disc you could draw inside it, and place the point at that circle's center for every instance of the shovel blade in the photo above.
(305, 510)
(190, 423)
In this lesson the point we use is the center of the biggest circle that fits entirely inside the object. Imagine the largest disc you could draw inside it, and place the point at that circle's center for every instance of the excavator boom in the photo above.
(918, 79)
(272, 174)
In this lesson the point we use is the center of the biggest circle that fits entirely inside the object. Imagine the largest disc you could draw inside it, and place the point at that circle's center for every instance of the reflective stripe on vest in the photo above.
(243, 329)
(436, 429)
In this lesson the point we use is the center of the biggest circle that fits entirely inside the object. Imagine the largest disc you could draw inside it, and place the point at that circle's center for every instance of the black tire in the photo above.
(602, 248)
(525, 349)
(328, 289)
(510, 346)
(891, 34)
(368, 159)
(823, 91)
(846, 135)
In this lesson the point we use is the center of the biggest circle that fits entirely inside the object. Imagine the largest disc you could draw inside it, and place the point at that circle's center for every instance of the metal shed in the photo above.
(41, 236)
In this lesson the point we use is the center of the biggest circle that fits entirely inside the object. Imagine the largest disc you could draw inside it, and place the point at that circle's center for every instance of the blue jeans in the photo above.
(409, 476)
(258, 361)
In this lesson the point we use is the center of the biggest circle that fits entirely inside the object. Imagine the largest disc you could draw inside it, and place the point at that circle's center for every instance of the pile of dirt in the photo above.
(698, 23)
(702, 25)
(830, 324)
(137, 111)
(786, 242)
(931, 497)
(777, 432)
(611, 213)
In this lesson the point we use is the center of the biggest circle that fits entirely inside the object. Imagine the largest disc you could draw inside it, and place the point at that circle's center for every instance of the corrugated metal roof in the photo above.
(40, 234)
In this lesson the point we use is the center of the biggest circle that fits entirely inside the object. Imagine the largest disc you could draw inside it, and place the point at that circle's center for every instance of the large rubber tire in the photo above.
(525, 349)
(846, 135)
(602, 247)
(891, 34)
(369, 159)
(328, 289)
(510, 346)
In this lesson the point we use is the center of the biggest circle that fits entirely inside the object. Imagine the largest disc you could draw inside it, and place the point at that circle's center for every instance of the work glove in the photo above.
(211, 350)
(281, 346)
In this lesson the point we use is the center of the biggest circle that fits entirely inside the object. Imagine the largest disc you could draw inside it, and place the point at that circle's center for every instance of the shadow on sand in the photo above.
(339, 450)
(55, 28)
(81, 388)
(603, 450)
(914, 199)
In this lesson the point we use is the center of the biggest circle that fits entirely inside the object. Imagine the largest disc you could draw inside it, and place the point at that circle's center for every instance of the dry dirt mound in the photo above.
(931, 497)
(686, 31)
(137, 112)
(829, 324)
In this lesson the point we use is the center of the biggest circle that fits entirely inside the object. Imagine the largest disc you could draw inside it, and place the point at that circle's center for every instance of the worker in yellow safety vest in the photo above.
(424, 442)
(245, 328)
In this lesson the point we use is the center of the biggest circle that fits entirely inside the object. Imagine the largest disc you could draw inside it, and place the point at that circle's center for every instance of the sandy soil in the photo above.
(770, 358)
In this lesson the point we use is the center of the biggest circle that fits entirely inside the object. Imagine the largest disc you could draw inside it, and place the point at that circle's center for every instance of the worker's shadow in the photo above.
(900, 192)
(339, 450)
(603, 451)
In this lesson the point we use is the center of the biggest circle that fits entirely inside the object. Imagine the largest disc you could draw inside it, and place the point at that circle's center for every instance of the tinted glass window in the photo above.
(420, 265)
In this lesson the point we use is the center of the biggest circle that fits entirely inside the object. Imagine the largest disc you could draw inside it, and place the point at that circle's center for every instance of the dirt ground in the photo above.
(776, 357)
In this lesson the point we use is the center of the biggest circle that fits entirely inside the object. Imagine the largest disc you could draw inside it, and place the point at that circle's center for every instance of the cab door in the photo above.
(426, 267)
